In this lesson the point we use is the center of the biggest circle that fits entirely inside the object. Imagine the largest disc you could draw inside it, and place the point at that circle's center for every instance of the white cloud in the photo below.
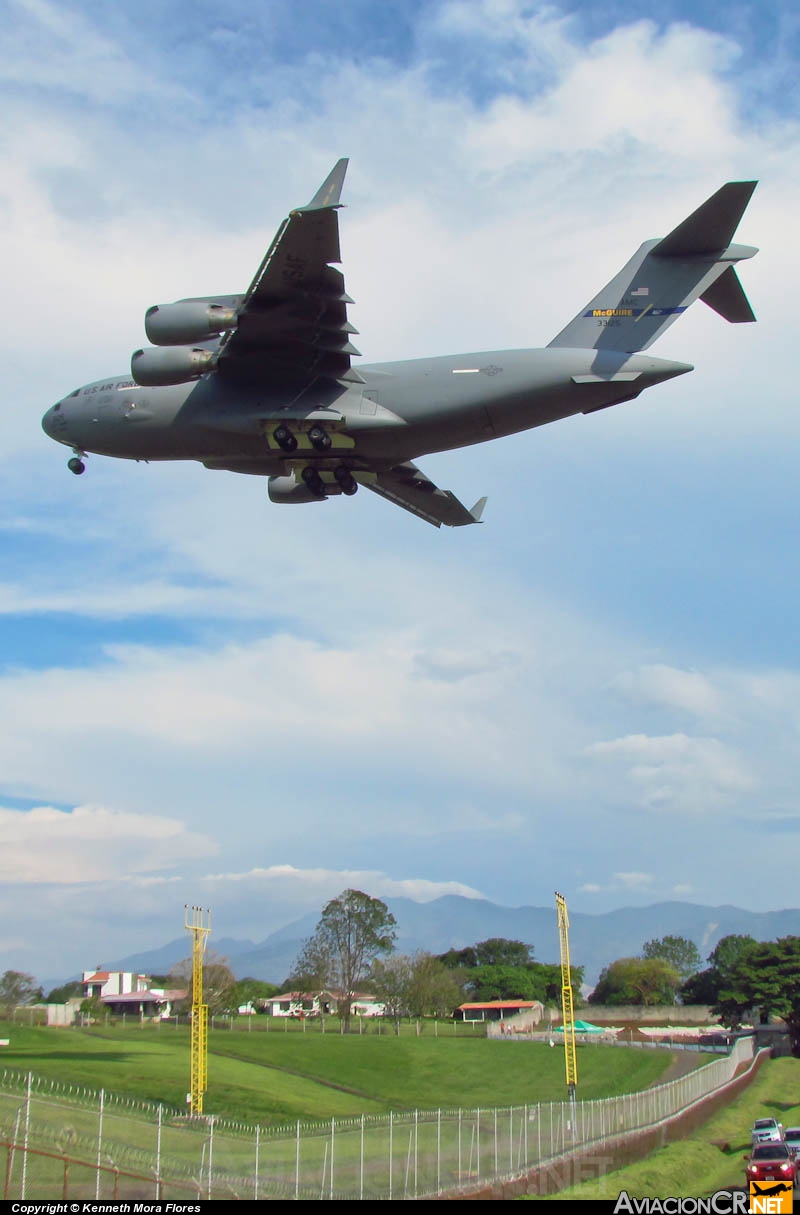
(634, 881)
(306, 884)
(89, 843)
(664, 685)
(676, 772)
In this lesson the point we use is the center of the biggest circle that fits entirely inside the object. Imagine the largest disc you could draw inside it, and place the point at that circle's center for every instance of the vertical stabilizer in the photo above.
(664, 278)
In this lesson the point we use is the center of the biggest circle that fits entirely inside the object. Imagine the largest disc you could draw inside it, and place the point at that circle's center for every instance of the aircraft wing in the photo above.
(292, 326)
(407, 486)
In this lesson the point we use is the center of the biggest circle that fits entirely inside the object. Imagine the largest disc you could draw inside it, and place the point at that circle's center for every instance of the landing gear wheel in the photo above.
(314, 481)
(76, 466)
(319, 438)
(284, 438)
(346, 480)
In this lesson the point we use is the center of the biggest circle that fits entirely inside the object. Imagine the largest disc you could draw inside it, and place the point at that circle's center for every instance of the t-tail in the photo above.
(696, 261)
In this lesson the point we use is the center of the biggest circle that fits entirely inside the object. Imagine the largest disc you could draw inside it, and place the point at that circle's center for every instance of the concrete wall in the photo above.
(658, 1014)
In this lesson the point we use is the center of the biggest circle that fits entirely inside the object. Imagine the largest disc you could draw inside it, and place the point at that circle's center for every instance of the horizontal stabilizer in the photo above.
(330, 191)
(711, 227)
(726, 296)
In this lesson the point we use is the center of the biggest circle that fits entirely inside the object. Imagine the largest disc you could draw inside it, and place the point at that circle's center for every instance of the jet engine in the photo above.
(187, 321)
(155, 367)
(286, 489)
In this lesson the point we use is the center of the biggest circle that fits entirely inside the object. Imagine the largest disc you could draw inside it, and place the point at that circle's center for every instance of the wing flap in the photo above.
(407, 486)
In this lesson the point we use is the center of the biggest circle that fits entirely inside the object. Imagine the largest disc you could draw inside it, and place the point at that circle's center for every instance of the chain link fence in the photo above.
(61, 1138)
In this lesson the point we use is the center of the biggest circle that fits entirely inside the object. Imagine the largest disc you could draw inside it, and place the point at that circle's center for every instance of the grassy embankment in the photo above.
(712, 1157)
(277, 1077)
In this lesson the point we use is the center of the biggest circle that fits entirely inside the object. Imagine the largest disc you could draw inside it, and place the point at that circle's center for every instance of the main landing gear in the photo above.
(76, 465)
(284, 438)
(347, 481)
(319, 438)
(344, 479)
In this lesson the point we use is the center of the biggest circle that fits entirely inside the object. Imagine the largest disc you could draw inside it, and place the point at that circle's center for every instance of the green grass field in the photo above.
(713, 1157)
(269, 1078)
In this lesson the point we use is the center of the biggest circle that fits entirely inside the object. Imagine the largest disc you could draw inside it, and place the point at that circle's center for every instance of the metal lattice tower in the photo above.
(567, 1012)
(197, 921)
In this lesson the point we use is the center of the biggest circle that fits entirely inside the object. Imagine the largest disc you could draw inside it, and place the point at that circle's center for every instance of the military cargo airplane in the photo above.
(264, 383)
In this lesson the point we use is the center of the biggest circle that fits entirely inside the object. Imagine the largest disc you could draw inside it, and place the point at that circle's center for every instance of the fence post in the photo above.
(210, 1152)
(438, 1150)
(459, 1145)
(416, 1143)
(361, 1169)
(391, 1152)
(297, 1165)
(331, 1172)
(158, 1154)
(478, 1140)
(511, 1138)
(99, 1143)
(258, 1148)
(27, 1132)
(496, 1169)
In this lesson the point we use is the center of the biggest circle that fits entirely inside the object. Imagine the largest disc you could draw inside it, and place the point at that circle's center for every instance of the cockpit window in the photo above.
(56, 407)
(76, 393)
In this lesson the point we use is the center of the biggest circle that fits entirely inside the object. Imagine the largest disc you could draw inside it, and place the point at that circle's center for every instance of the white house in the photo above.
(316, 1003)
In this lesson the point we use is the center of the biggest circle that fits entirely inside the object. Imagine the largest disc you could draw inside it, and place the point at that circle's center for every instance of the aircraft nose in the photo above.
(54, 424)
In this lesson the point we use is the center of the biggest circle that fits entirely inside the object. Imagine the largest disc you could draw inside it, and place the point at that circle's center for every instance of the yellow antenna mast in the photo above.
(568, 1015)
(198, 922)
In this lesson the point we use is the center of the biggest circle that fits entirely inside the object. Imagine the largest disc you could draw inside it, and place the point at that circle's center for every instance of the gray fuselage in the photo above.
(402, 410)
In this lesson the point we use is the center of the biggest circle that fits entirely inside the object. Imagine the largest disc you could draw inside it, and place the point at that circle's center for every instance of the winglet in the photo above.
(330, 191)
(477, 509)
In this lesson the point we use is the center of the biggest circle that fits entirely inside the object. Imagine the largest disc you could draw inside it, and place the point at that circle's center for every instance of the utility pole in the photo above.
(567, 1012)
(197, 920)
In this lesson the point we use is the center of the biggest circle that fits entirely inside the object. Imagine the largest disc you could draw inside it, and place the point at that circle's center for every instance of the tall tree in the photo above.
(705, 986)
(17, 987)
(637, 981)
(499, 951)
(353, 930)
(433, 991)
(764, 979)
(219, 981)
(679, 952)
(391, 982)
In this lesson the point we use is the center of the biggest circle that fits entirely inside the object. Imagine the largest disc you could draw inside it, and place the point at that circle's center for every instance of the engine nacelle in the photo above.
(286, 489)
(187, 321)
(155, 367)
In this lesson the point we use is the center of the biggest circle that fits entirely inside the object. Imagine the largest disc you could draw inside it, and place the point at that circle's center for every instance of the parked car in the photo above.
(766, 1130)
(791, 1137)
(771, 1162)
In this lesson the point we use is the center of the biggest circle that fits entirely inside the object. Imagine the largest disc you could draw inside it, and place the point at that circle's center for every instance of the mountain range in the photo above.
(454, 922)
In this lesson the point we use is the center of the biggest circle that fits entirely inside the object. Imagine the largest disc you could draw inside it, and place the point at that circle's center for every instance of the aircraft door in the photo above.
(369, 402)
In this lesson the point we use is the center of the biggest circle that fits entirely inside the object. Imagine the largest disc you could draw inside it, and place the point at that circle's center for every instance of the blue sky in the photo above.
(207, 698)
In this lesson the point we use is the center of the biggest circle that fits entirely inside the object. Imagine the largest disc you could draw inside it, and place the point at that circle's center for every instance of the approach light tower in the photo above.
(198, 922)
(567, 1012)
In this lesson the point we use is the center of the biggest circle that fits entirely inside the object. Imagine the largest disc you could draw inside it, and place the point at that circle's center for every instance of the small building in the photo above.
(122, 992)
(100, 983)
(322, 1003)
(150, 1002)
(498, 1010)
